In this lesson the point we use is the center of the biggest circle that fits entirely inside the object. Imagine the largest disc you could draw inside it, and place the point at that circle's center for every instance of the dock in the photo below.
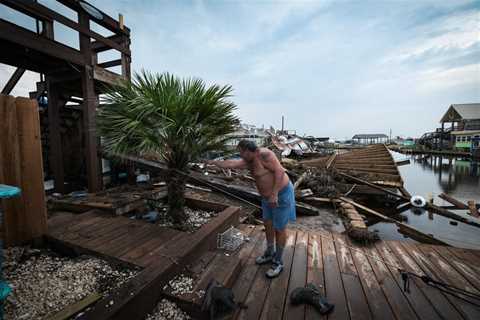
(363, 281)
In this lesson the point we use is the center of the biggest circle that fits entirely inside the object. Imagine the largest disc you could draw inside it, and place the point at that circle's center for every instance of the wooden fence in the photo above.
(24, 217)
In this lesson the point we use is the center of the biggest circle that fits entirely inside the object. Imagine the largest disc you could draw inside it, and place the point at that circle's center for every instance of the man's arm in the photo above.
(271, 163)
(229, 164)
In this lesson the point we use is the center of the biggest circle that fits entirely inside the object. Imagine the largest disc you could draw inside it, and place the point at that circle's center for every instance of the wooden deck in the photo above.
(362, 281)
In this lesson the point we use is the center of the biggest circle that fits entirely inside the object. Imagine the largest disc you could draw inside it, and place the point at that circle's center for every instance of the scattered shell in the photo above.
(180, 285)
(44, 283)
(195, 218)
(167, 310)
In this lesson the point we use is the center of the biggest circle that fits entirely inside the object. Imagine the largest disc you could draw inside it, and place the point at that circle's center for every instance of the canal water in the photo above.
(428, 176)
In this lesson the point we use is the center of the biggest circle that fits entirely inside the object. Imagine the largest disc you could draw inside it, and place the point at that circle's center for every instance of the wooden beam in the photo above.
(41, 12)
(30, 40)
(107, 21)
(70, 310)
(13, 81)
(107, 76)
(55, 138)
(90, 102)
(452, 200)
(98, 46)
(109, 64)
(410, 229)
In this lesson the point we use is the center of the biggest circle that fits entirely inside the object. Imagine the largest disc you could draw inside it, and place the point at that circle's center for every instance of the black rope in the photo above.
(440, 285)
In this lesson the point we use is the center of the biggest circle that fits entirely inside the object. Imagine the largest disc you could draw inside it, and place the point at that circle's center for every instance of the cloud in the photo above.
(332, 68)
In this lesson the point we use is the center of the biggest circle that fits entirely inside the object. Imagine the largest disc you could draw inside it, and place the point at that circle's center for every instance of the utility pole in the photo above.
(282, 123)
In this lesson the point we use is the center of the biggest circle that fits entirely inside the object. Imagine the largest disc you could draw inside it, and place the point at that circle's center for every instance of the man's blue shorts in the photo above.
(284, 212)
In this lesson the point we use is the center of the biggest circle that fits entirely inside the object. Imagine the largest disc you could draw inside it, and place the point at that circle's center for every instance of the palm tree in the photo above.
(175, 120)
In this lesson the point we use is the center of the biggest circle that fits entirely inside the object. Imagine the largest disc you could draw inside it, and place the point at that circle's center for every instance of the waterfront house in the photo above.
(465, 125)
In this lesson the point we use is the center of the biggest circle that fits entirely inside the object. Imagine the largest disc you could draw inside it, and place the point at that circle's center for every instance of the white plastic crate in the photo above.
(230, 239)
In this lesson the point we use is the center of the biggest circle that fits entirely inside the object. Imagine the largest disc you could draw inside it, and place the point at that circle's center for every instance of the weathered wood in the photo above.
(357, 302)
(452, 200)
(28, 39)
(298, 277)
(334, 288)
(402, 163)
(33, 192)
(396, 299)
(14, 212)
(440, 272)
(436, 298)
(300, 180)
(377, 301)
(330, 160)
(315, 271)
(107, 76)
(418, 301)
(75, 308)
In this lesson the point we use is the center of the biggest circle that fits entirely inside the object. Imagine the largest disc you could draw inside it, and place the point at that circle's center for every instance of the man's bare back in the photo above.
(269, 174)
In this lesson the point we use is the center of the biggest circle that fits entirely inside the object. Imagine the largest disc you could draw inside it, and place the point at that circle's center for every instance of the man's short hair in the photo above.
(247, 145)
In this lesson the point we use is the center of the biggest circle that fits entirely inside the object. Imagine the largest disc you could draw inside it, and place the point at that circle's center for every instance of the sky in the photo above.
(332, 68)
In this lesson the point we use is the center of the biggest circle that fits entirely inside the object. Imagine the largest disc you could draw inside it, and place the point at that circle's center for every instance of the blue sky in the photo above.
(332, 68)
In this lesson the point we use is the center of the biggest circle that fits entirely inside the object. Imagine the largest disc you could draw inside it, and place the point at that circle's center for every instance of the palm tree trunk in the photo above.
(176, 197)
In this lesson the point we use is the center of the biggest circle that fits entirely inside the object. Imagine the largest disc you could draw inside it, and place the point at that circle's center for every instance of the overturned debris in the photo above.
(355, 226)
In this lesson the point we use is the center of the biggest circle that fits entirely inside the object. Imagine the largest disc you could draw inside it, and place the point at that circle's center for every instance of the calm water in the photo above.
(430, 177)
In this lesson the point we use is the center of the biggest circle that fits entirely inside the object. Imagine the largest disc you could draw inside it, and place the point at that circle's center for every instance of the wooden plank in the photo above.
(433, 270)
(377, 302)
(164, 235)
(258, 291)
(107, 76)
(75, 308)
(298, 277)
(462, 266)
(420, 304)
(33, 191)
(399, 304)
(441, 304)
(315, 272)
(334, 288)
(144, 234)
(356, 300)
(452, 200)
(244, 282)
(14, 209)
(64, 221)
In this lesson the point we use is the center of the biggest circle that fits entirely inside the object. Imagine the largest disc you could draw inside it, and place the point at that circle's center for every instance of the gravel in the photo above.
(167, 310)
(44, 283)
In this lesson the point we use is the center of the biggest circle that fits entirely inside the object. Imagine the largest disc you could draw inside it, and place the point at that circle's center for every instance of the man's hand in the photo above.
(273, 200)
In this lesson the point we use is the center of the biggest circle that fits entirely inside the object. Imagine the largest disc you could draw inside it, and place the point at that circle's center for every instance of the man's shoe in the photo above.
(265, 258)
(275, 270)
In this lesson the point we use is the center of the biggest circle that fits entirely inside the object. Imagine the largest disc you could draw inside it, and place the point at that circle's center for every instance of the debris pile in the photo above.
(44, 283)
(167, 310)
(355, 226)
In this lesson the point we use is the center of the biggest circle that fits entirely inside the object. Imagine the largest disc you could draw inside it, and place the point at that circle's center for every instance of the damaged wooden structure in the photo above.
(71, 81)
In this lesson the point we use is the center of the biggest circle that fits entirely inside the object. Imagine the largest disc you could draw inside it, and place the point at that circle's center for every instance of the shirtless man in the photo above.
(278, 199)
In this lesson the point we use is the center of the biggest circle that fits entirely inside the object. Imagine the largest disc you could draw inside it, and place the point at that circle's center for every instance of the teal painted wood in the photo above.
(8, 191)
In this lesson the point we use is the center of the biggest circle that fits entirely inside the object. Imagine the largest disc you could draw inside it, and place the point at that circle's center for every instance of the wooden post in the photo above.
(90, 103)
(54, 136)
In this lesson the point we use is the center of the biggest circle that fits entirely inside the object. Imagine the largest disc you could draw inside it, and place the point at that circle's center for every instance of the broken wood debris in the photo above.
(355, 226)
(452, 200)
